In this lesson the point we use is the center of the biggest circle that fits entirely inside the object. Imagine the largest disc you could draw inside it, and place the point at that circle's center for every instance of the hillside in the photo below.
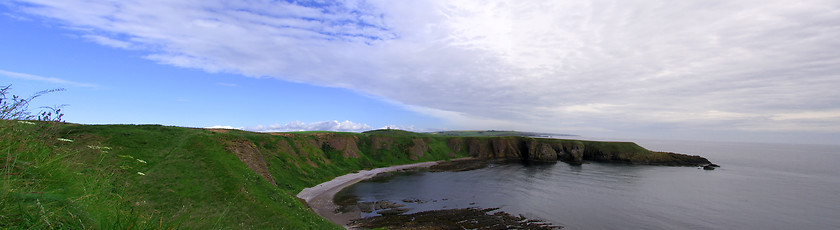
(495, 133)
(152, 176)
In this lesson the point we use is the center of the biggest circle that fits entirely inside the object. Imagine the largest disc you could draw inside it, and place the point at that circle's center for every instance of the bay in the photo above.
(759, 186)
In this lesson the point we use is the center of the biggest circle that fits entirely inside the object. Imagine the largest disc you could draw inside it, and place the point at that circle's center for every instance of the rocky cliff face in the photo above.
(328, 147)
(544, 150)
(526, 149)
(574, 151)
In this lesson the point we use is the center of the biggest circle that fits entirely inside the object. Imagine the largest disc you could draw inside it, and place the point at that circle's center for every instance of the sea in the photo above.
(758, 186)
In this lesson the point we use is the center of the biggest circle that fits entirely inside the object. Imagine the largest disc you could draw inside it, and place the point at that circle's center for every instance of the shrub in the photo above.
(13, 107)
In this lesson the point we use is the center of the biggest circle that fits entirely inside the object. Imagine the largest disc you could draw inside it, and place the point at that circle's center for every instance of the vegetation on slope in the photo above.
(494, 133)
(396, 132)
(69, 176)
(151, 176)
(57, 175)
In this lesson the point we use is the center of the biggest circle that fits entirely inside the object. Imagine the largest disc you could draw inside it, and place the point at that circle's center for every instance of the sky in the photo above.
(756, 71)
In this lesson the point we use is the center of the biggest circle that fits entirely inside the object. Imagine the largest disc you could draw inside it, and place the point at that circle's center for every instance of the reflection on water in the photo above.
(759, 186)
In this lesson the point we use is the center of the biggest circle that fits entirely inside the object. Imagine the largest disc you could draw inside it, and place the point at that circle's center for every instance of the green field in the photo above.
(158, 177)
(69, 176)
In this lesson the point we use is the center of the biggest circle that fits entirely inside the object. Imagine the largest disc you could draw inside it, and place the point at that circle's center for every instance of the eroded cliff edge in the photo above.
(380, 148)
(237, 179)
(530, 149)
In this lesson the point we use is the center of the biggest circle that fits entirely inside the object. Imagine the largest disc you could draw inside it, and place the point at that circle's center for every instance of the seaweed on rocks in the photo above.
(466, 218)
(459, 165)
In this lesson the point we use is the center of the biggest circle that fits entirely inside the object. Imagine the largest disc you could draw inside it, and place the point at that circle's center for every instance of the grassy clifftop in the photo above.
(495, 133)
(152, 177)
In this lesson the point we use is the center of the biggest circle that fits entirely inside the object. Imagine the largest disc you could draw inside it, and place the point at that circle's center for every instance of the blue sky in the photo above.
(113, 86)
(739, 71)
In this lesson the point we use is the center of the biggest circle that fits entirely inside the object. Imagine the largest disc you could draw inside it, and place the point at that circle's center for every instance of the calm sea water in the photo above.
(759, 186)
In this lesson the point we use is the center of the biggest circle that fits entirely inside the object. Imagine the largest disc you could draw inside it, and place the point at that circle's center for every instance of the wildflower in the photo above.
(99, 147)
(142, 174)
(141, 161)
(26, 122)
(65, 140)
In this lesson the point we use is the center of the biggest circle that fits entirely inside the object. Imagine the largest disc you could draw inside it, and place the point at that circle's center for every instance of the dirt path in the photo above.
(320, 197)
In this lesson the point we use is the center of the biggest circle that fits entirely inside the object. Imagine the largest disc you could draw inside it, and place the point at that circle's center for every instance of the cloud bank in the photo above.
(345, 126)
(599, 66)
(297, 126)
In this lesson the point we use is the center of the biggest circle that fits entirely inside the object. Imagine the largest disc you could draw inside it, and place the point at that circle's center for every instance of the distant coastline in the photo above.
(232, 178)
(499, 133)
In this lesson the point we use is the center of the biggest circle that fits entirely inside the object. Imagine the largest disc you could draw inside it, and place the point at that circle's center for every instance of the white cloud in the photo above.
(45, 79)
(808, 115)
(591, 108)
(345, 126)
(222, 127)
(542, 65)
(295, 126)
(16, 17)
(403, 127)
(108, 41)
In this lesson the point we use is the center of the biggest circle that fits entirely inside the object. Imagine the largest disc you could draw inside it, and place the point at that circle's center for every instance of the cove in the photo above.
(754, 189)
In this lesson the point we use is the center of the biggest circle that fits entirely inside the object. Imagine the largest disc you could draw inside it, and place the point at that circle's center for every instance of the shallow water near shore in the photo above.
(759, 186)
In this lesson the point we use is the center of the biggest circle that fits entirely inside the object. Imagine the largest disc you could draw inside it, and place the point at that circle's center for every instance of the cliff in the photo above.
(117, 176)
(530, 149)
(407, 146)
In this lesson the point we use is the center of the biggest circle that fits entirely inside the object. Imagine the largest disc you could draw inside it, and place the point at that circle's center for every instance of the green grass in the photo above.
(47, 183)
(624, 147)
(394, 133)
(490, 133)
(310, 132)
(158, 177)
(69, 176)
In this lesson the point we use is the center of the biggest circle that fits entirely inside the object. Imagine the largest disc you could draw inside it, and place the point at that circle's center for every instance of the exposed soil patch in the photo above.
(248, 153)
(283, 134)
(455, 145)
(418, 148)
(284, 147)
(345, 144)
(380, 142)
(219, 130)
(467, 218)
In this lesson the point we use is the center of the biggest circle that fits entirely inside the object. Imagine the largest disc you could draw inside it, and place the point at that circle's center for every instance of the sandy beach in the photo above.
(320, 197)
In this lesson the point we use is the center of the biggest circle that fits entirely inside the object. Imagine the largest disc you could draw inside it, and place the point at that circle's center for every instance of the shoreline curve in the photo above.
(320, 197)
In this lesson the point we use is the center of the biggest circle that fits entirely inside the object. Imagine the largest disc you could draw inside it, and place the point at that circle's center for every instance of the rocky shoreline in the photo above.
(392, 214)
(320, 197)
(465, 218)
(347, 212)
